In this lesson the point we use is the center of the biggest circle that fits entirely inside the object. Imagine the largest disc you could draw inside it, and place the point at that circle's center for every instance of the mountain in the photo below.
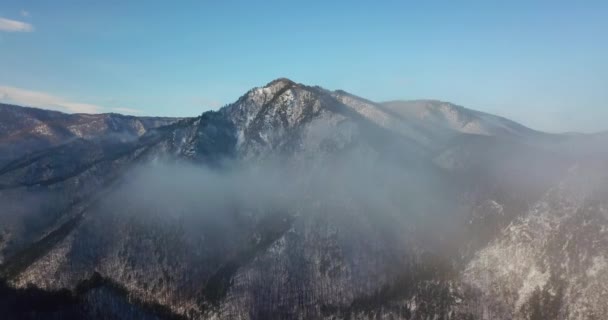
(435, 115)
(27, 130)
(300, 202)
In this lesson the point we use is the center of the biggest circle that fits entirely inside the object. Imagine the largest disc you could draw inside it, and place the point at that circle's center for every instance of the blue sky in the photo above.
(542, 63)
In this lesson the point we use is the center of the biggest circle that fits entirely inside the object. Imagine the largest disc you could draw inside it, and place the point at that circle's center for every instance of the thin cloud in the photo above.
(211, 103)
(8, 25)
(127, 110)
(25, 13)
(44, 100)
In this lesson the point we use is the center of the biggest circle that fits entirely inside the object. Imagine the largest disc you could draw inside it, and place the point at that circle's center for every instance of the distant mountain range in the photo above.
(297, 202)
(27, 130)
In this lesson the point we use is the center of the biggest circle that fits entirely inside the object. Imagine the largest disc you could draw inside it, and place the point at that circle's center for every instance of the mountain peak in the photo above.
(280, 81)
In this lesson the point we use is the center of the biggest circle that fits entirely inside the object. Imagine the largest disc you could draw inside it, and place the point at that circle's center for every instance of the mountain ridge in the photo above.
(300, 202)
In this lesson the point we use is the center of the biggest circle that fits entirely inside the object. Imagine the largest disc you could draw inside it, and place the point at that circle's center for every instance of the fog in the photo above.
(360, 193)
(365, 219)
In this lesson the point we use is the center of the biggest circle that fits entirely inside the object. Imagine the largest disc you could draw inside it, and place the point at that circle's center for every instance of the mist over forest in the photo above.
(297, 202)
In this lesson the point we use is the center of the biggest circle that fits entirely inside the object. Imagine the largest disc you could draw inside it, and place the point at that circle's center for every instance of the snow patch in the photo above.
(599, 264)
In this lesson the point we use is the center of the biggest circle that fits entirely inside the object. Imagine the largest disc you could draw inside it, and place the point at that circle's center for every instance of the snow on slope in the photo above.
(550, 263)
(339, 255)
(434, 113)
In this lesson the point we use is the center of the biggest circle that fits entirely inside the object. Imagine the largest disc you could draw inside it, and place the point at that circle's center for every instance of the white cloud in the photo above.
(15, 26)
(44, 100)
(25, 13)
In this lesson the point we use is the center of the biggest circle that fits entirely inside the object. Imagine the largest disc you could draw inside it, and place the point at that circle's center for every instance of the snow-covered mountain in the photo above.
(297, 202)
(435, 114)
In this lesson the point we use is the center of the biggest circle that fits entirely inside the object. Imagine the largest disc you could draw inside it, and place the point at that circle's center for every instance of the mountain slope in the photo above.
(26, 130)
(438, 114)
(299, 202)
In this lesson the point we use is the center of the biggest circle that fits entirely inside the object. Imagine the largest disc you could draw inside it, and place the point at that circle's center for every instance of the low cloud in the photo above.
(8, 25)
(44, 100)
